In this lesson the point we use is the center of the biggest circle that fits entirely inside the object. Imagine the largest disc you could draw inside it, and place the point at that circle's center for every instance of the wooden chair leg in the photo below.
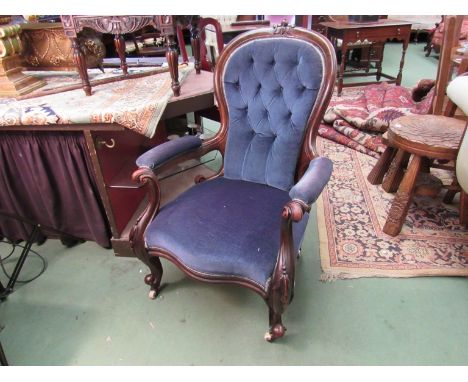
(396, 171)
(154, 278)
(399, 209)
(277, 329)
(381, 167)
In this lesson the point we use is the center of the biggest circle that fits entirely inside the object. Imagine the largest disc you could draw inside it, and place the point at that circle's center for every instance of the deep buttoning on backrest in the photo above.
(271, 86)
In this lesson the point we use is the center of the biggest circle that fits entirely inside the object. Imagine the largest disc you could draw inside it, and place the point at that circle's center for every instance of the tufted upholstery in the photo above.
(270, 86)
(225, 235)
(240, 226)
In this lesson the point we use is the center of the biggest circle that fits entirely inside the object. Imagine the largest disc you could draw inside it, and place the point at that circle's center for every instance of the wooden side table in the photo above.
(119, 25)
(425, 137)
(380, 31)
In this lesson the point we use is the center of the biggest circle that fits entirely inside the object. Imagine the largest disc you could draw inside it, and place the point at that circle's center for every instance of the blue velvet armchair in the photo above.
(245, 224)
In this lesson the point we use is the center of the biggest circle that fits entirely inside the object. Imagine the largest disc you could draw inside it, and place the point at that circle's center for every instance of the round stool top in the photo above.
(433, 136)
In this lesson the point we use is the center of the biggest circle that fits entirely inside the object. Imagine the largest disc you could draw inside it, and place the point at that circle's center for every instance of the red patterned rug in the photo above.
(351, 213)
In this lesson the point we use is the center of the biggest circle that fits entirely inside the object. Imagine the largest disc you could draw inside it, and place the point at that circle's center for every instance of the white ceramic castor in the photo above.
(152, 294)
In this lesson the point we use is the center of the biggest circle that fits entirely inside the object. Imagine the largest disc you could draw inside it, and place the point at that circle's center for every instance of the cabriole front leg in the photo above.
(281, 290)
(154, 278)
(146, 177)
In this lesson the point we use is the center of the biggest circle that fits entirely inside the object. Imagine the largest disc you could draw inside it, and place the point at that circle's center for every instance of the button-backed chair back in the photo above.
(245, 224)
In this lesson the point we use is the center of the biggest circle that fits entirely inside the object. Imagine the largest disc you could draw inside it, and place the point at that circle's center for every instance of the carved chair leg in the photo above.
(403, 198)
(381, 167)
(396, 171)
(277, 329)
(154, 278)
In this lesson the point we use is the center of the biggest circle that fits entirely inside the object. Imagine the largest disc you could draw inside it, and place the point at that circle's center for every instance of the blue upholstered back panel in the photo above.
(270, 85)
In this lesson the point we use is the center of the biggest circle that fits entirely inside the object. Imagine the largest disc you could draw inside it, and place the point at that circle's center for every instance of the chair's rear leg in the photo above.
(154, 278)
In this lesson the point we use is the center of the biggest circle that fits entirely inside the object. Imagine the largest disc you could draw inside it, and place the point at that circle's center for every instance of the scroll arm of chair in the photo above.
(163, 153)
(310, 186)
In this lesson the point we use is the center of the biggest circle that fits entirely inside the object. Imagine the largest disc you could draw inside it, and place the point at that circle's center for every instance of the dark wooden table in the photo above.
(113, 149)
(380, 31)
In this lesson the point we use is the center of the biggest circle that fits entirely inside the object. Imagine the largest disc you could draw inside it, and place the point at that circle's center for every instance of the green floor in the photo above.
(91, 308)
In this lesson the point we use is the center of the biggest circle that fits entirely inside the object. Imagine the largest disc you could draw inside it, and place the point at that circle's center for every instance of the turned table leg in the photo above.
(399, 209)
(119, 43)
(195, 42)
(379, 61)
(396, 171)
(402, 62)
(342, 68)
(172, 58)
(381, 167)
(80, 63)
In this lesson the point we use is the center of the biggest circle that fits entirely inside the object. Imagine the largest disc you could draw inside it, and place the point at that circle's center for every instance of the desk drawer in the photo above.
(378, 34)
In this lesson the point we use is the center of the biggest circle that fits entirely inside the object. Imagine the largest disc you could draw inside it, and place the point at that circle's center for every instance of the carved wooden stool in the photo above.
(426, 137)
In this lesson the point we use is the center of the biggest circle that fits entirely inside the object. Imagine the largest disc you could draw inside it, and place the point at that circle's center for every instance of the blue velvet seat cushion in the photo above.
(225, 227)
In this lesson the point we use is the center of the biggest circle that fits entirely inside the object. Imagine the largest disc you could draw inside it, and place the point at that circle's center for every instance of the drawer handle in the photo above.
(357, 34)
(398, 31)
(102, 142)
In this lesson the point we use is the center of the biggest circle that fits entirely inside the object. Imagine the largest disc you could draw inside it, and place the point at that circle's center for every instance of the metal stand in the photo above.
(67, 240)
(4, 292)
(3, 360)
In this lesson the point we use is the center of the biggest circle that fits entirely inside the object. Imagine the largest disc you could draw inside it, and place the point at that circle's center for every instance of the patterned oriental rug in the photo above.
(360, 116)
(351, 214)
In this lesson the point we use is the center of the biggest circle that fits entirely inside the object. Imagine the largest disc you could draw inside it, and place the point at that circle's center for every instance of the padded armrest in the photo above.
(168, 150)
(313, 181)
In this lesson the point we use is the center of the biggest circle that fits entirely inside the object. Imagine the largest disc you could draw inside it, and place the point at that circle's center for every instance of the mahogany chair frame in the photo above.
(280, 290)
(444, 70)
(203, 22)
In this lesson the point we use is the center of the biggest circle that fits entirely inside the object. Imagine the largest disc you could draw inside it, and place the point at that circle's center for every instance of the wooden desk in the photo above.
(113, 149)
(380, 31)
